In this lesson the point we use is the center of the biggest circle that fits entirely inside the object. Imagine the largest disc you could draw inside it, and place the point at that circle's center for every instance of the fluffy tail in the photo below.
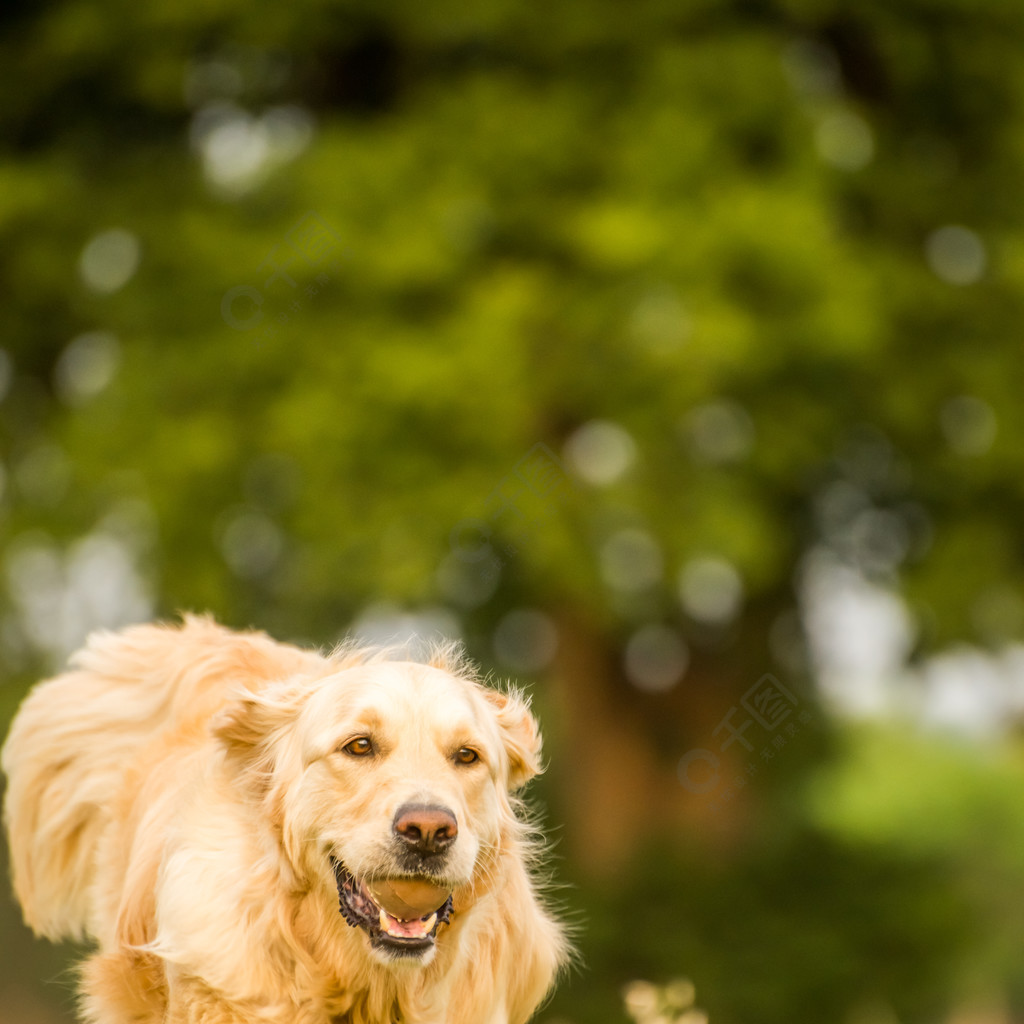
(75, 738)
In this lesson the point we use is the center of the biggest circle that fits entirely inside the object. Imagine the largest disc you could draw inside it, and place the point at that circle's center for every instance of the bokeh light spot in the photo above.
(407, 633)
(86, 366)
(251, 544)
(969, 425)
(656, 658)
(600, 452)
(235, 149)
(59, 597)
(238, 149)
(659, 322)
(812, 68)
(526, 640)
(469, 583)
(711, 590)
(719, 432)
(109, 260)
(845, 140)
(956, 254)
(631, 560)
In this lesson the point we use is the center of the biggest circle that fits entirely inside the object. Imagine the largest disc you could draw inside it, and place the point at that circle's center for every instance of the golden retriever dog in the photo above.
(252, 833)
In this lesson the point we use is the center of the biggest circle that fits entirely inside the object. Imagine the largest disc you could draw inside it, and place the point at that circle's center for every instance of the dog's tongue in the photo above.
(406, 929)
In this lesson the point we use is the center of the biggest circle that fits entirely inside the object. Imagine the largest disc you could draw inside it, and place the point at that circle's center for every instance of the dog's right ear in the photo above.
(249, 723)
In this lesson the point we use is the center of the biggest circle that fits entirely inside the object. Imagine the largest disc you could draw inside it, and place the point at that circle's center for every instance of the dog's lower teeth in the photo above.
(423, 927)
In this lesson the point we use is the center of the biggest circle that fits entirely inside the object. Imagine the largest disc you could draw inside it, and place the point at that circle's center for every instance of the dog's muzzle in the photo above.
(397, 935)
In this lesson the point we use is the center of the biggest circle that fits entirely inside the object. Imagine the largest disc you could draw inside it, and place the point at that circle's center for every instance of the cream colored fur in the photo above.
(175, 797)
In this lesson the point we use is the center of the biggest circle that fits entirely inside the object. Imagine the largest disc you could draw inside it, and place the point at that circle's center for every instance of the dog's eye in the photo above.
(466, 755)
(359, 747)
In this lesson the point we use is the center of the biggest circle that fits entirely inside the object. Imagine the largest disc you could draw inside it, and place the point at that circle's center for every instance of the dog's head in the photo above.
(388, 785)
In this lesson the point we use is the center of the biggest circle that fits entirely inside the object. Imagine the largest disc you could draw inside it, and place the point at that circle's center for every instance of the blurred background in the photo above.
(667, 353)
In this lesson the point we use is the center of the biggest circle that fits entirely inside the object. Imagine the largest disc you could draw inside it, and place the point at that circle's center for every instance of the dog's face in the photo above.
(390, 781)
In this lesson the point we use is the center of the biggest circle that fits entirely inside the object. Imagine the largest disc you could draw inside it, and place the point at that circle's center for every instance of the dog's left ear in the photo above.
(520, 735)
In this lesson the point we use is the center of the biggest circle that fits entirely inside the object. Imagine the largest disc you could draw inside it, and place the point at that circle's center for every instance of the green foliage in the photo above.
(806, 928)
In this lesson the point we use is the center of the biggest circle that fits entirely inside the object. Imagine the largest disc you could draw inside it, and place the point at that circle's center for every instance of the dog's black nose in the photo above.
(425, 828)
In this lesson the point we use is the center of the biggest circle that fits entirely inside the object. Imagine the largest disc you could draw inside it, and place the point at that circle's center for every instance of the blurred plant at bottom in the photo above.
(647, 1003)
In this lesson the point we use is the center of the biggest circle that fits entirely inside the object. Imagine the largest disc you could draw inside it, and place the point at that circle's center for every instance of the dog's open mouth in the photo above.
(361, 910)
